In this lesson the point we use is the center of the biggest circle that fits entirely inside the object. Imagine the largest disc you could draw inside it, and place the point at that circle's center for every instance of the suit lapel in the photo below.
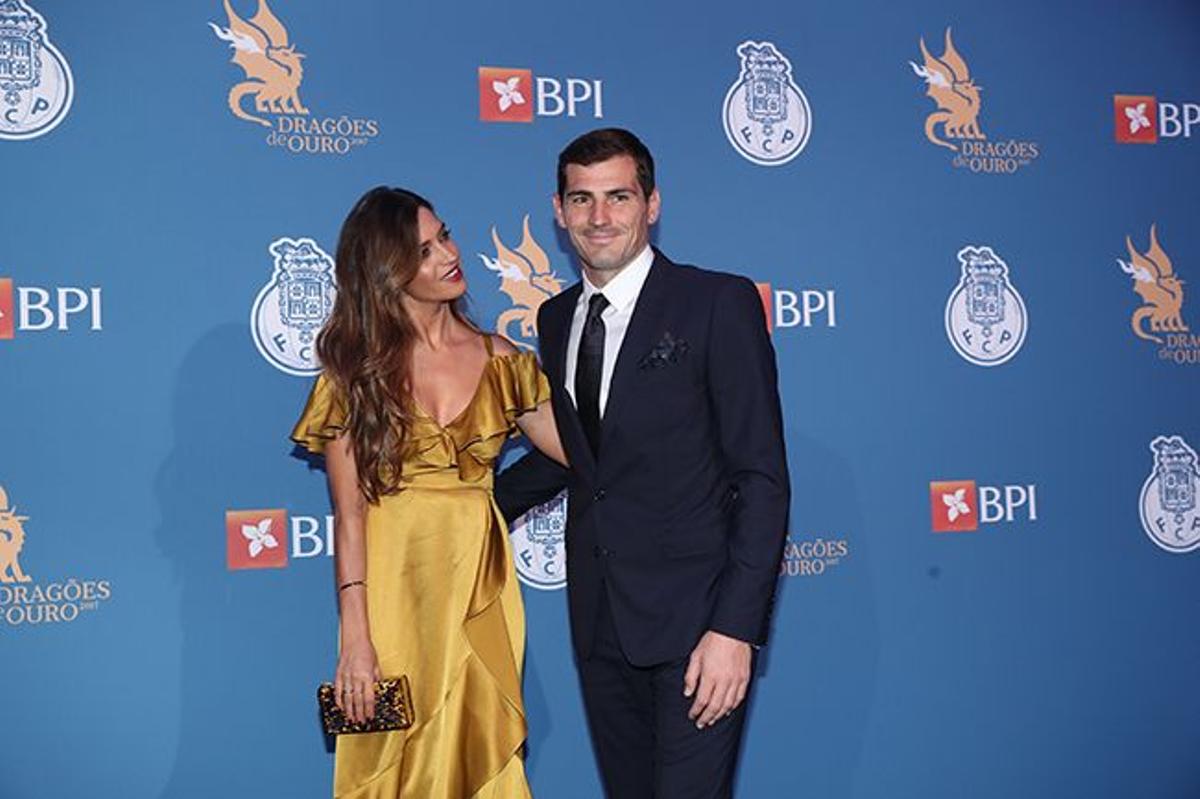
(566, 311)
(639, 339)
(569, 427)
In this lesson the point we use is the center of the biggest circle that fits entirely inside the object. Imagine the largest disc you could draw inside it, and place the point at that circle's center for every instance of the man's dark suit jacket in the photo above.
(683, 515)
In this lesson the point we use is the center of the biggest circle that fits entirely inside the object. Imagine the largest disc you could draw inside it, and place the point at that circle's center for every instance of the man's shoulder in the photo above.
(560, 303)
(703, 278)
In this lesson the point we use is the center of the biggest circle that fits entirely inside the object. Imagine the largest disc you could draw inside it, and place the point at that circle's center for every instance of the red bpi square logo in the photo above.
(1136, 118)
(256, 539)
(6, 308)
(764, 294)
(505, 95)
(952, 504)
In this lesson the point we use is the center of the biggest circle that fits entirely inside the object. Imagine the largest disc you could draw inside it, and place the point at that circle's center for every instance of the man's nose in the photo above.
(599, 216)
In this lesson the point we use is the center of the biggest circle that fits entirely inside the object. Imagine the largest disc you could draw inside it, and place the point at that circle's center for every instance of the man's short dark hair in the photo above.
(602, 144)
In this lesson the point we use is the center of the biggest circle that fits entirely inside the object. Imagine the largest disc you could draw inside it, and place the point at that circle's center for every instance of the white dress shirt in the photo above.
(622, 293)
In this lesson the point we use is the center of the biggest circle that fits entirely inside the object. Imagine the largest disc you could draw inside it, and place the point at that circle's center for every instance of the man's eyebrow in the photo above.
(606, 192)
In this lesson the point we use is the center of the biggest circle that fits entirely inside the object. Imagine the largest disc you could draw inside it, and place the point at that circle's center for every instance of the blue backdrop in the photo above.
(990, 588)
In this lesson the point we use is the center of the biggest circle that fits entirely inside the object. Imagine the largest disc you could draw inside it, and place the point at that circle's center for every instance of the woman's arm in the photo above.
(358, 666)
(541, 429)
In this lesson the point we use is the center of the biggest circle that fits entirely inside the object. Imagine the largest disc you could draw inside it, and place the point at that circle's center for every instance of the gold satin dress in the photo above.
(442, 600)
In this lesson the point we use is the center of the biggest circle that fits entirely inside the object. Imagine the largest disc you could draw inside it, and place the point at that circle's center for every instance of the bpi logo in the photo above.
(292, 307)
(537, 544)
(34, 76)
(767, 118)
(957, 507)
(31, 308)
(516, 95)
(807, 308)
(1168, 501)
(985, 316)
(258, 539)
(1142, 119)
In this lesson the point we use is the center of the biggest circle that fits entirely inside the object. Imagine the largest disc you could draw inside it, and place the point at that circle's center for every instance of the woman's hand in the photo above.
(354, 682)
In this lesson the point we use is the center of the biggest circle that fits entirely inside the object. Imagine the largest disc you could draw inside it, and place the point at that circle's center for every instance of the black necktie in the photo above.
(588, 368)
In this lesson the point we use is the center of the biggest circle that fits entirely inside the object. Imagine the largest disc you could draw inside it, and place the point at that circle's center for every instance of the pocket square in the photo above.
(668, 350)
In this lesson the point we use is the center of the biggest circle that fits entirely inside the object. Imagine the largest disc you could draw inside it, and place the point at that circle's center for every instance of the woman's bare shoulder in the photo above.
(501, 345)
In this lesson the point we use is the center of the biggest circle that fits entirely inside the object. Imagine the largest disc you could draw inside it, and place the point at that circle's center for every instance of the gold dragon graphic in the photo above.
(948, 82)
(261, 48)
(12, 538)
(527, 279)
(1162, 292)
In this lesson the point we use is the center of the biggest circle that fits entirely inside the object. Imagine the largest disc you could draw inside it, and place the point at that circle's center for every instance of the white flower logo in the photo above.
(507, 89)
(259, 536)
(1137, 117)
(957, 504)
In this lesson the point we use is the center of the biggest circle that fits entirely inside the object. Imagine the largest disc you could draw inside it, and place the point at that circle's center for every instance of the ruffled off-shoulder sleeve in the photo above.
(324, 417)
(522, 385)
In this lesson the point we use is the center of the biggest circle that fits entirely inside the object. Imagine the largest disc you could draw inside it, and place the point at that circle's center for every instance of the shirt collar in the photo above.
(623, 290)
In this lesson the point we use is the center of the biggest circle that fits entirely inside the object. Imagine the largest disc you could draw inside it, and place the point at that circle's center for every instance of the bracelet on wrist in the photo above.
(351, 584)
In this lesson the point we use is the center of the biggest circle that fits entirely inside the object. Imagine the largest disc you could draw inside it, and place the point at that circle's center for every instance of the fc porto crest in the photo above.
(292, 307)
(767, 118)
(537, 540)
(36, 87)
(1168, 502)
(985, 316)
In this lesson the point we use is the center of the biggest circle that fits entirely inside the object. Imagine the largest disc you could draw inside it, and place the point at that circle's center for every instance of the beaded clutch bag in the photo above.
(393, 709)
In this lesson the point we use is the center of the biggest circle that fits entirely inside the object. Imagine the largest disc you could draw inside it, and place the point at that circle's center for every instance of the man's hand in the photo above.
(718, 674)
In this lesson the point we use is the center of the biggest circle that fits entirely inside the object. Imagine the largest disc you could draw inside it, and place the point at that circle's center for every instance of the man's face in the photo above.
(605, 213)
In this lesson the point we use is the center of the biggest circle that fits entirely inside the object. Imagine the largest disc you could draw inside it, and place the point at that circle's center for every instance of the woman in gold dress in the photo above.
(411, 411)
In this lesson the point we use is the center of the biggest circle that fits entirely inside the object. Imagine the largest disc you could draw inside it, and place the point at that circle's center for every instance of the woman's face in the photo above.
(439, 276)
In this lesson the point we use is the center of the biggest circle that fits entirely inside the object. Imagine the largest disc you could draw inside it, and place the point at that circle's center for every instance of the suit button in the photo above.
(599, 551)
(599, 495)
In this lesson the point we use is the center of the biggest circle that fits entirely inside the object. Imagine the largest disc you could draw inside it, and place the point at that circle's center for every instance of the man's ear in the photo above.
(653, 206)
(558, 213)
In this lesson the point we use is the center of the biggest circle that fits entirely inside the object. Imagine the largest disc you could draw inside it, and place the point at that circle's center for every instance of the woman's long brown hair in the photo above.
(366, 346)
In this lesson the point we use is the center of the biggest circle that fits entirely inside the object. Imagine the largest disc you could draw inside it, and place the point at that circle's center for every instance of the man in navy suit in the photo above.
(663, 383)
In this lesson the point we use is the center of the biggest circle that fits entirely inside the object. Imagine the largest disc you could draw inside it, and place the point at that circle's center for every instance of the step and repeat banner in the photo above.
(974, 231)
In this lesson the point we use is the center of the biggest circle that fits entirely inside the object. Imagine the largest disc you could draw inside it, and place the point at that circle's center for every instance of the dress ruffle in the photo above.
(518, 386)
(511, 385)
(324, 417)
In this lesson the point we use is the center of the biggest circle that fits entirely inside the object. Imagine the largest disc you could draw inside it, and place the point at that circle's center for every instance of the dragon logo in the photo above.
(948, 83)
(274, 71)
(261, 47)
(1162, 292)
(272, 65)
(527, 279)
(24, 602)
(12, 539)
